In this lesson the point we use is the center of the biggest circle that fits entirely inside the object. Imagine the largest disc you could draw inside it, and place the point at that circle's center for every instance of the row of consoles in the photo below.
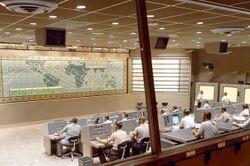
(90, 130)
(180, 136)
(168, 125)
(88, 145)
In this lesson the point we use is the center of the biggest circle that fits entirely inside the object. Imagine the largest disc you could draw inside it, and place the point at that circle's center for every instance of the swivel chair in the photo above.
(146, 141)
(74, 141)
(124, 149)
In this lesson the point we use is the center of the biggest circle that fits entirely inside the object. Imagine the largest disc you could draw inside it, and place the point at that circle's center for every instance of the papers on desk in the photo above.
(239, 118)
(197, 125)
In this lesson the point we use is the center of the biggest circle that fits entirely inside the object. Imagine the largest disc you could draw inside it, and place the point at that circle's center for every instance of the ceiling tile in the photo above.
(91, 5)
(41, 22)
(9, 19)
(94, 18)
(60, 13)
(190, 17)
(165, 2)
(192, 6)
(243, 23)
(231, 2)
(214, 20)
(168, 12)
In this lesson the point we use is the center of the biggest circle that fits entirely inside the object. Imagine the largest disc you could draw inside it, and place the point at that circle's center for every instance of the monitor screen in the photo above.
(175, 119)
(166, 121)
(55, 37)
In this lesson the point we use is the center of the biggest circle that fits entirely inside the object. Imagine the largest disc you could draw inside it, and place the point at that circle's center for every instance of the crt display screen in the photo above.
(175, 120)
(55, 37)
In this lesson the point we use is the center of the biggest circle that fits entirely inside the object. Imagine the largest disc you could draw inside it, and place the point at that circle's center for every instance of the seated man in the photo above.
(242, 125)
(245, 112)
(70, 130)
(207, 128)
(140, 132)
(175, 109)
(124, 116)
(117, 137)
(187, 121)
(206, 105)
(224, 116)
(165, 108)
(106, 119)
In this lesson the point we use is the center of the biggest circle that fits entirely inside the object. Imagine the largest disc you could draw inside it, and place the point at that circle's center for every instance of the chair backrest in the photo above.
(122, 147)
(146, 141)
(74, 139)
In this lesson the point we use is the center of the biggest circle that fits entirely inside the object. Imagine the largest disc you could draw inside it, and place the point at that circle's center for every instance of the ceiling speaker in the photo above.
(159, 42)
(50, 37)
(216, 47)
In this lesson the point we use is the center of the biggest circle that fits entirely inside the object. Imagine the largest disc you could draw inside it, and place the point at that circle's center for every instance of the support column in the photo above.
(148, 75)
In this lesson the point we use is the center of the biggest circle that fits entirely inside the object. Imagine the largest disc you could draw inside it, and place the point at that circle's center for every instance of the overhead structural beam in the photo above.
(148, 75)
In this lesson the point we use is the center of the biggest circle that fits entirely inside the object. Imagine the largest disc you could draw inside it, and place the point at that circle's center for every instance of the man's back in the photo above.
(225, 100)
(72, 130)
(142, 131)
(118, 137)
(209, 129)
(187, 122)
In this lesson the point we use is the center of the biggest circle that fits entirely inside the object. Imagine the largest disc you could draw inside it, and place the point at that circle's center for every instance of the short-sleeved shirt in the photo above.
(200, 98)
(187, 122)
(225, 116)
(72, 130)
(225, 100)
(206, 106)
(108, 121)
(118, 137)
(208, 129)
(245, 112)
(142, 131)
(245, 124)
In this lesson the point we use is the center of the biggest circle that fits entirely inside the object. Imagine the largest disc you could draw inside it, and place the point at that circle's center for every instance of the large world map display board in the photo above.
(40, 79)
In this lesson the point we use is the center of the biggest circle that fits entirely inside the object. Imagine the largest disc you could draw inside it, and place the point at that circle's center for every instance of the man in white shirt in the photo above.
(224, 116)
(225, 100)
(106, 119)
(165, 108)
(117, 137)
(187, 121)
(207, 128)
(199, 99)
(243, 125)
(206, 105)
(245, 112)
(140, 132)
(125, 116)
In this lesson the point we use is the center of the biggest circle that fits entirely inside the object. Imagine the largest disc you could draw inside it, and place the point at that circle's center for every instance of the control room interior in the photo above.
(103, 33)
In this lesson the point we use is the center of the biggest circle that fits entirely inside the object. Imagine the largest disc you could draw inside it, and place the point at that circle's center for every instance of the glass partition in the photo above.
(232, 93)
(208, 92)
(247, 96)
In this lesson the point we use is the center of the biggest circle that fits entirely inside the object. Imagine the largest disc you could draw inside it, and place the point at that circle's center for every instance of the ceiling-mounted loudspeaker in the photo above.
(159, 42)
(50, 37)
(208, 66)
(29, 6)
(216, 47)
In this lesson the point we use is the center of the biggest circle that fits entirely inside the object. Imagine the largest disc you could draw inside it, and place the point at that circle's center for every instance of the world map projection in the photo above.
(44, 77)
